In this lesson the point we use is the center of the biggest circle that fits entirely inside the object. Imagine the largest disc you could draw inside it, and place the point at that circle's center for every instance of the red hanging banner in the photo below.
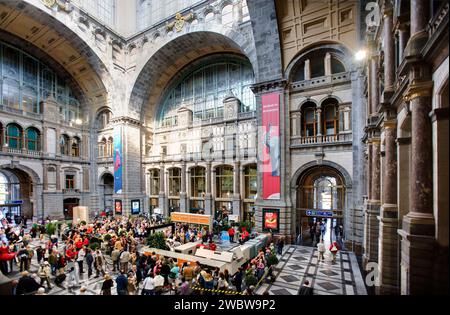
(271, 146)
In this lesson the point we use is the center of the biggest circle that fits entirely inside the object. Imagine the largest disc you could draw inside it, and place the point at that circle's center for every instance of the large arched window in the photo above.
(154, 182)
(204, 89)
(174, 182)
(224, 181)
(309, 124)
(103, 118)
(330, 118)
(33, 139)
(14, 136)
(26, 82)
(198, 181)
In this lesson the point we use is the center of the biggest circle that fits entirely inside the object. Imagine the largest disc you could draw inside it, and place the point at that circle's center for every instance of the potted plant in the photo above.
(94, 246)
(157, 240)
(245, 225)
(272, 260)
(250, 280)
(50, 229)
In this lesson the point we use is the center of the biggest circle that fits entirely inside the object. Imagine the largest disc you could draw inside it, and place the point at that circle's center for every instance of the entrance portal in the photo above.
(69, 204)
(16, 190)
(321, 204)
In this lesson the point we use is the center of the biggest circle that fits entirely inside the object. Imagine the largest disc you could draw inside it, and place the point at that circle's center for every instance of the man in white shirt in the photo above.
(320, 251)
(80, 259)
(159, 284)
(148, 286)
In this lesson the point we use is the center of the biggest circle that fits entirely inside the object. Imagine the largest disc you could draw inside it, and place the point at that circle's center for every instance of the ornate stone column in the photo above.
(388, 238)
(389, 50)
(208, 195)
(45, 177)
(374, 85)
(183, 192)
(418, 230)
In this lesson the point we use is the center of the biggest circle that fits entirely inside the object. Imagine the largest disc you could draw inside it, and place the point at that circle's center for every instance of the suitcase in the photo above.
(60, 279)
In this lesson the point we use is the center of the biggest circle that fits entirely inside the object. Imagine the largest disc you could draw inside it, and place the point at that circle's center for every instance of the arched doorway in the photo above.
(69, 204)
(107, 190)
(321, 202)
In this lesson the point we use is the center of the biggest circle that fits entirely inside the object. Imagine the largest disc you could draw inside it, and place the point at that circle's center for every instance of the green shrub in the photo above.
(272, 260)
(94, 246)
(50, 228)
(157, 241)
(250, 279)
(107, 237)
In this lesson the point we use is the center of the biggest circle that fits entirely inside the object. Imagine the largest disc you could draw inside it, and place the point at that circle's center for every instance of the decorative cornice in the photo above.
(268, 86)
(126, 120)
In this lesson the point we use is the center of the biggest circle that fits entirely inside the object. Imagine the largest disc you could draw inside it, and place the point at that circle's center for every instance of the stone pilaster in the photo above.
(184, 207)
(236, 188)
(208, 196)
(162, 189)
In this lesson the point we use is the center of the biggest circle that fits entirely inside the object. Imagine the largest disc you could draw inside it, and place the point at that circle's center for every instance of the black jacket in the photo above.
(26, 285)
(305, 291)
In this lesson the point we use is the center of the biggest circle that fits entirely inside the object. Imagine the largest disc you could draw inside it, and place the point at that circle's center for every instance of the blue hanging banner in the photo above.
(118, 162)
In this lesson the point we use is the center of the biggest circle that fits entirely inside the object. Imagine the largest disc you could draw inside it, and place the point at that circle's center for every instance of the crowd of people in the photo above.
(80, 251)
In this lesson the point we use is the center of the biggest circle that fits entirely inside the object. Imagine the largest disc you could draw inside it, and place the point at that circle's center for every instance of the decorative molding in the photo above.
(418, 89)
(63, 5)
(269, 86)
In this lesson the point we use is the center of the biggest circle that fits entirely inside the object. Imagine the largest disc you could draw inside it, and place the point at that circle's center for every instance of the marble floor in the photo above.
(299, 263)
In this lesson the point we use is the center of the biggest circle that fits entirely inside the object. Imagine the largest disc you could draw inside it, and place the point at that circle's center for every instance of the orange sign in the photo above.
(191, 218)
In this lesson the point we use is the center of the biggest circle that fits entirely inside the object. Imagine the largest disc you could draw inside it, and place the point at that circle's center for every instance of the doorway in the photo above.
(69, 204)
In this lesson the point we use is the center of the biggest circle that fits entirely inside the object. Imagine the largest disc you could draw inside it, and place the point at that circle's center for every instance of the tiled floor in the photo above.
(299, 263)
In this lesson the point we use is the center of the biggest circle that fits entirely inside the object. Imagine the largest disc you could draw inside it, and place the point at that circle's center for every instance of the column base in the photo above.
(418, 254)
(388, 250)
(372, 224)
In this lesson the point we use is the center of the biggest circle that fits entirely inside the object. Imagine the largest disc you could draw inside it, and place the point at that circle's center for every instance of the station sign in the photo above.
(319, 213)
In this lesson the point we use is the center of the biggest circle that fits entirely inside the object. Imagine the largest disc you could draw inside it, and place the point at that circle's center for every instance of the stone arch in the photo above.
(343, 55)
(338, 99)
(157, 68)
(30, 172)
(301, 171)
(100, 177)
(308, 100)
(76, 45)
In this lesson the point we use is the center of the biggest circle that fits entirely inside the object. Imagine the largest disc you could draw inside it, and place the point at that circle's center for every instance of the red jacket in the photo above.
(336, 245)
(231, 231)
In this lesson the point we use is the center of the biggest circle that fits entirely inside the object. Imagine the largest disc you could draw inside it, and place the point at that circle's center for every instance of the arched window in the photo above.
(309, 120)
(198, 181)
(103, 119)
(102, 148)
(330, 118)
(27, 82)
(14, 136)
(203, 90)
(209, 17)
(75, 152)
(32, 139)
(64, 143)
(224, 181)
(174, 182)
(110, 147)
(154, 182)
(227, 15)
(336, 66)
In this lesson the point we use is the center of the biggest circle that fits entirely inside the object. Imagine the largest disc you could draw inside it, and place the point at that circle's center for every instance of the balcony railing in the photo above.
(22, 152)
(332, 139)
(320, 81)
